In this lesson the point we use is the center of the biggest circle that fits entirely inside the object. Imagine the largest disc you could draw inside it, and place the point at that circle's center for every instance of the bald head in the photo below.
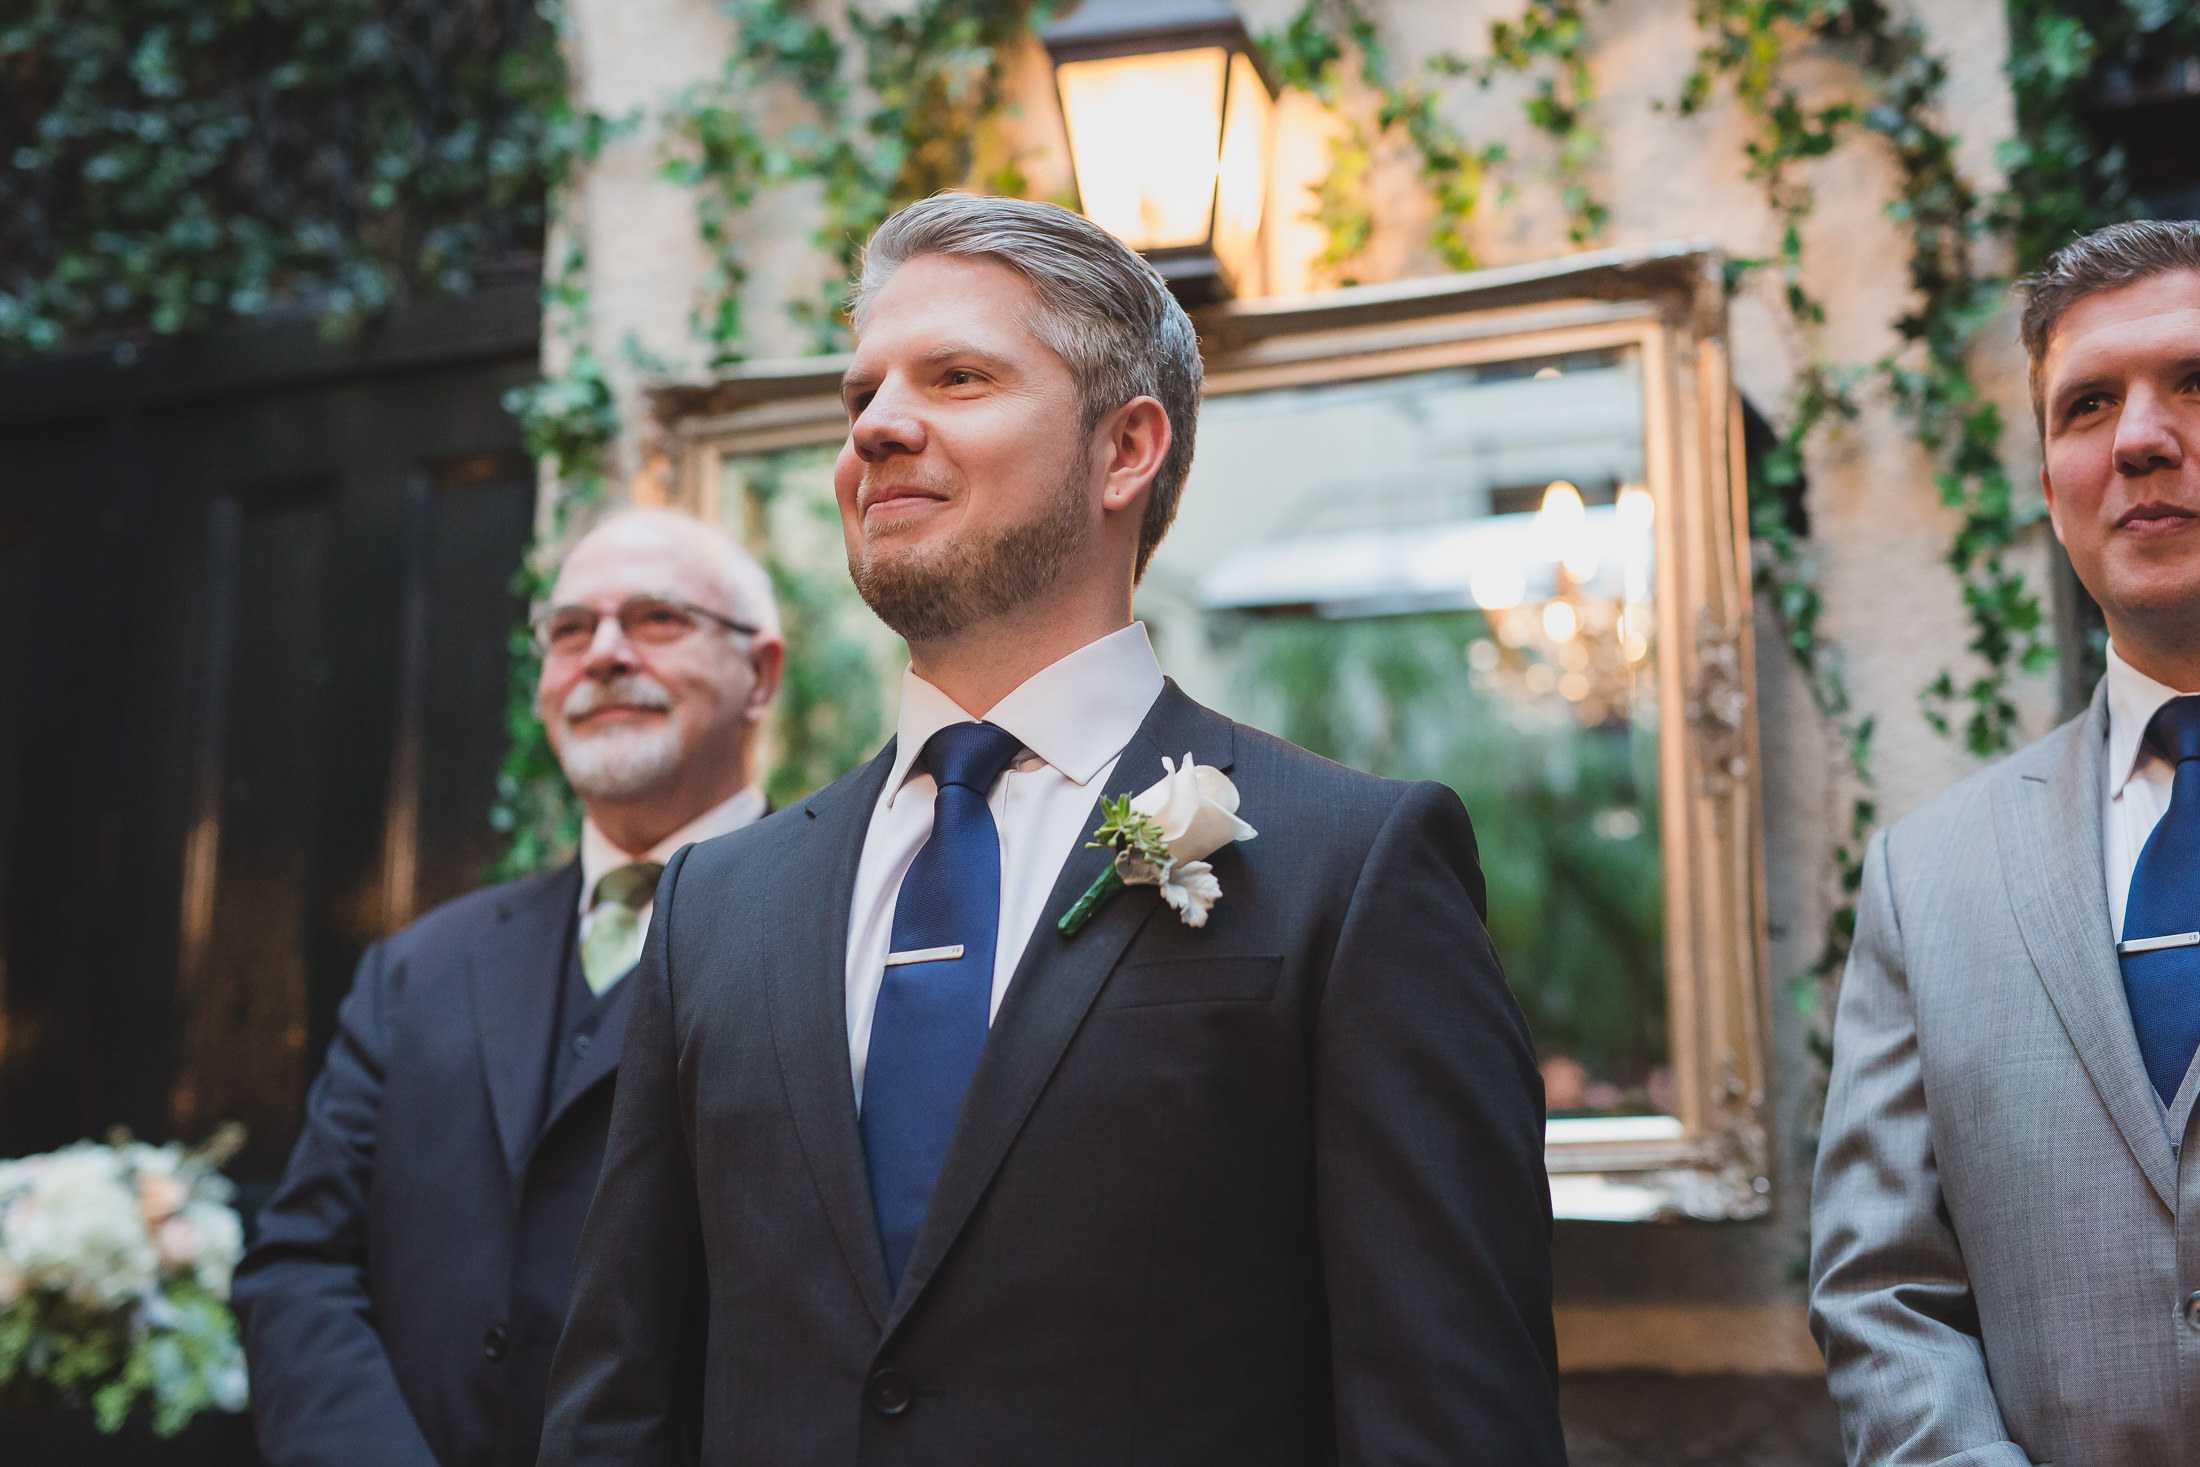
(695, 550)
(654, 717)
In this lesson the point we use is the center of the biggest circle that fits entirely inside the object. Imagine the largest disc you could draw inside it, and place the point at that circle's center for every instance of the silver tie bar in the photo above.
(950, 953)
(2137, 944)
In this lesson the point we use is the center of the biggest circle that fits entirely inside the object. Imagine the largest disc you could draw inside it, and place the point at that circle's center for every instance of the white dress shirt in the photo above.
(2139, 779)
(1074, 717)
(600, 857)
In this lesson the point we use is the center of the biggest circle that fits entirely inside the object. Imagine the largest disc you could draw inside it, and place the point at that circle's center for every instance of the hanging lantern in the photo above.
(1169, 121)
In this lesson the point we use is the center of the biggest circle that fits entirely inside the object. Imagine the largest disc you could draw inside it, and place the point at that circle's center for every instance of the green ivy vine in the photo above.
(895, 111)
(570, 422)
(1313, 51)
(1562, 104)
(168, 165)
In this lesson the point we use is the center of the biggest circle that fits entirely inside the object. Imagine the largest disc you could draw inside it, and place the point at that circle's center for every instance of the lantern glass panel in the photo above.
(1243, 181)
(1144, 133)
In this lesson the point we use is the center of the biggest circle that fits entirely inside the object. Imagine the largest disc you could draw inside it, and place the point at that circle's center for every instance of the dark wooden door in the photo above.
(254, 608)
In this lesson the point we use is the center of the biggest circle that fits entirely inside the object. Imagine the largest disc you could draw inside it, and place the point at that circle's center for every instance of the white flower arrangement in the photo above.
(115, 1263)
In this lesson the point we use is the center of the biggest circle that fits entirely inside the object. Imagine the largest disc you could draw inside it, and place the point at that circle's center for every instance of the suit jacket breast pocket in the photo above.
(1227, 979)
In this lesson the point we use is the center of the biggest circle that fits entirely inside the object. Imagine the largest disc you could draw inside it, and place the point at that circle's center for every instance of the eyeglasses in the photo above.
(649, 621)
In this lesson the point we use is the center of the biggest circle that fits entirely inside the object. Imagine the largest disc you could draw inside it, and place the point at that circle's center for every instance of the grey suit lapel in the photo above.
(1055, 983)
(808, 1001)
(515, 968)
(2047, 822)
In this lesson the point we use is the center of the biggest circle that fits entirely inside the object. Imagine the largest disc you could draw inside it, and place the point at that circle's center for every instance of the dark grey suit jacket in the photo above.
(409, 1280)
(1269, 1192)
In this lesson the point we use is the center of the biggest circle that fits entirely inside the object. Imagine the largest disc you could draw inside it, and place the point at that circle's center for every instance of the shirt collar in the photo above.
(2133, 700)
(1076, 713)
(600, 857)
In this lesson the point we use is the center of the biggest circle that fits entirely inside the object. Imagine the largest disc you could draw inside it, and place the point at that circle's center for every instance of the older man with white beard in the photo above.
(410, 1277)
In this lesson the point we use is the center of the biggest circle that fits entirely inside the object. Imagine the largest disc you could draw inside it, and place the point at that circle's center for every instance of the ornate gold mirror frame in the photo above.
(1706, 1155)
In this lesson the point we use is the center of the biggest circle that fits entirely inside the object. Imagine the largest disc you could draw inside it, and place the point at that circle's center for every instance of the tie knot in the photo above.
(630, 886)
(2175, 731)
(970, 754)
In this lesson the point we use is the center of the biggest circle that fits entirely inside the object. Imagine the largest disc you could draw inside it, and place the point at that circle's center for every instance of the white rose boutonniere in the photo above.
(1162, 837)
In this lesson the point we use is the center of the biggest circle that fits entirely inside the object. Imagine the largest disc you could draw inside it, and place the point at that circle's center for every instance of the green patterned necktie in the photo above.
(614, 941)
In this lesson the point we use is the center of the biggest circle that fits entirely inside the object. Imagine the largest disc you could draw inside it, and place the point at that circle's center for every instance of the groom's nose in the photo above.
(889, 423)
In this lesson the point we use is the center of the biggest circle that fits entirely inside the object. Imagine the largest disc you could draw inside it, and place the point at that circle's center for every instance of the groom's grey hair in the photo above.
(1102, 309)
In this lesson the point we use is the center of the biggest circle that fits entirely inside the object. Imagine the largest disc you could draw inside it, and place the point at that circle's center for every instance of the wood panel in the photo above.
(255, 596)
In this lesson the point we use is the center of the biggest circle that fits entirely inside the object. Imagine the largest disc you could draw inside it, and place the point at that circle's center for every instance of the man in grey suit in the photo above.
(2006, 1225)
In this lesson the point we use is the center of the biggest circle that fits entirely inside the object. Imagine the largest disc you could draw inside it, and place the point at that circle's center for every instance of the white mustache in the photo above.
(635, 690)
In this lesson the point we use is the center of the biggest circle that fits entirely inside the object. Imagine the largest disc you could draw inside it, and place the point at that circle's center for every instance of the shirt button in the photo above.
(494, 1342)
(891, 1394)
(580, 1046)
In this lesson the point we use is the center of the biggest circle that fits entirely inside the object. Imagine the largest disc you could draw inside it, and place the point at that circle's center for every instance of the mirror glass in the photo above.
(1450, 575)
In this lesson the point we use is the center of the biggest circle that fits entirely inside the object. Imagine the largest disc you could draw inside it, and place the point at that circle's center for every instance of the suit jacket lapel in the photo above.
(602, 1059)
(516, 967)
(808, 1002)
(1056, 980)
(2048, 824)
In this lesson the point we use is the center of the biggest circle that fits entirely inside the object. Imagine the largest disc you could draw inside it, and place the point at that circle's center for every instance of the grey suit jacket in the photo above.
(2003, 1233)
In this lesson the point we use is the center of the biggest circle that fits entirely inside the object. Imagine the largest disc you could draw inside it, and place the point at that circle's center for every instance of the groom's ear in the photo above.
(1131, 443)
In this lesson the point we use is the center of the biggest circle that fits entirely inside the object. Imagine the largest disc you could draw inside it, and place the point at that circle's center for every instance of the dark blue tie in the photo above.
(932, 1013)
(2163, 986)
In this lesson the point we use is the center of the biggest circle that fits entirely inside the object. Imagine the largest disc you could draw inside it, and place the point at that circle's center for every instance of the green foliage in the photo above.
(930, 82)
(168, 1363)
(2063, 181)
(1128, 833)
(830, 714)
(570, 422)
(1311, 52)
(535, 809)
(1748, 41)
(1556, 31)
(169, 164)
(1928, 376)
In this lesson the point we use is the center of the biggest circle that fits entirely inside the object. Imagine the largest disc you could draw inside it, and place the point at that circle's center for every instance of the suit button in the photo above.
(494, 1342)
(2191, 1310)
(580, 1046)
(890, 1393)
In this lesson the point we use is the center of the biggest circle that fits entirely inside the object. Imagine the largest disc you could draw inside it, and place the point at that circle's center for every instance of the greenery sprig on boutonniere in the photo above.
(1129, 832)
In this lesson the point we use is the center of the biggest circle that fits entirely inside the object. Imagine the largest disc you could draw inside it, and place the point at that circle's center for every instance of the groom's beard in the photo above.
(932, 592)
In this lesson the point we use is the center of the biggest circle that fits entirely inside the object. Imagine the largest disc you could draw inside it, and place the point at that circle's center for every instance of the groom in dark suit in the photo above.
(1248, 1169)
(409, 1280)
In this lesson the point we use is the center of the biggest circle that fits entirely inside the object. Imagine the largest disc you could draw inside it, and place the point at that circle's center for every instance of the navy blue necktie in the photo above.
(935, 1002)
(2163, 986)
